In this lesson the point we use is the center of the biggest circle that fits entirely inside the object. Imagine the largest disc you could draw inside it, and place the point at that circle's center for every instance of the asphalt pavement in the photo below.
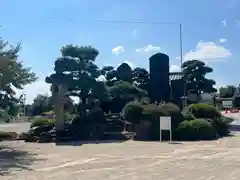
(20, 126)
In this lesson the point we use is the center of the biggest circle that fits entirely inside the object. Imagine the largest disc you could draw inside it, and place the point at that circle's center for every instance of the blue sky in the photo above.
(210, 33)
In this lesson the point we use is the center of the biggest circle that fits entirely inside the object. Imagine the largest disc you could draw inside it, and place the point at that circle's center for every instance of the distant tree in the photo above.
(13, 74)
(41, 104)
(195, 77)
(227, 91)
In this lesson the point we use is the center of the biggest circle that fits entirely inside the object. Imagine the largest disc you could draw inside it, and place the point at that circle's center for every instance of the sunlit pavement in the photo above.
(130, 160)
(18, 127)
(205, 160)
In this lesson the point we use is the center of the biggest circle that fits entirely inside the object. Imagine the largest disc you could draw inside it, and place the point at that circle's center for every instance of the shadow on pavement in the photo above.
(80, 143)
(12, 158)
(235, 127)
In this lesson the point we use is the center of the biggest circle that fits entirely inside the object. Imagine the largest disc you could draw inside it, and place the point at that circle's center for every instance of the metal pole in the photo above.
(181, 63)
(181, 44)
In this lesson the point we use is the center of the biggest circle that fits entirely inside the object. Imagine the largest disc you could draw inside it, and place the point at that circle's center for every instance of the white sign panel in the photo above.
(227, 104)
(165, 123)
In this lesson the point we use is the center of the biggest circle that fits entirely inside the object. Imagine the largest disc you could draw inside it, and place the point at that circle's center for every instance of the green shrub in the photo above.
(152, 113)
(222, 125)
(174, 112)
(132, 112)
(37, 122)
(7, 135)
(204, 111)
(96, 115)
(189, 116)
(198, 129)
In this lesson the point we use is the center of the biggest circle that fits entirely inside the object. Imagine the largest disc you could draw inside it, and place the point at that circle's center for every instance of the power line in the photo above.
(128, 22)
(117, 21)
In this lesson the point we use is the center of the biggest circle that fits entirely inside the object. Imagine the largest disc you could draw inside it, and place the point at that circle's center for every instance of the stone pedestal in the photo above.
(58, 93)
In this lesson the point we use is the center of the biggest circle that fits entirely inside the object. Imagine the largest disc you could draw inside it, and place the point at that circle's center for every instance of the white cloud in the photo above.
(222, 40)
(175, 68)
(32, 90)
(117, 50)
(207, 51)
(149, 48)
(224, 23)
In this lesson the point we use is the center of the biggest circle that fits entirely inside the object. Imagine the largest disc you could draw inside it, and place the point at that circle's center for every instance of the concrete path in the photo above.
(235, 116)
(17, 127)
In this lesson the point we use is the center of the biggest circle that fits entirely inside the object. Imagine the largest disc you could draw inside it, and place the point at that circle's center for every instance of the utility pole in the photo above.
(23, 101)
(181, 44)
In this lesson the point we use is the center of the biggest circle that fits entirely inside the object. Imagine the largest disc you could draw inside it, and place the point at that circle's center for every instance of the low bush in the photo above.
(222, 125)
(204, 111)
(189, 116)
(152, 113)
(198, 129)
(37, 122)
(132, 112)
(96, 115)
(7, 135)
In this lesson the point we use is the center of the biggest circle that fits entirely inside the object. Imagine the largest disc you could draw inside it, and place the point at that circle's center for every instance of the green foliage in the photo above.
(4, 115)
(236, 101)
(152, 113)
(40, 122)
(96, 116)
(189, 116)
(125, 90)
(141, 77)
(133, 112)
(198, 129)
(7, 135)
(227, 91)
(42, 103)
(13, 74)
(222, 125)
(76, 69)
(194, 75)
(13, 110)
(204, 111)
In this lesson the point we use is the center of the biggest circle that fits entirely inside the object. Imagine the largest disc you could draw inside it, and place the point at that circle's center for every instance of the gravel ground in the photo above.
(115, 161)
(128, 160)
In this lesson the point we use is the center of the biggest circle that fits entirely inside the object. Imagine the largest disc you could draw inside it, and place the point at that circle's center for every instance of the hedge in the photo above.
(132, 112)
(197, 129)
(203, 111)
(7, 135)
(152, 112)
(38, 122)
